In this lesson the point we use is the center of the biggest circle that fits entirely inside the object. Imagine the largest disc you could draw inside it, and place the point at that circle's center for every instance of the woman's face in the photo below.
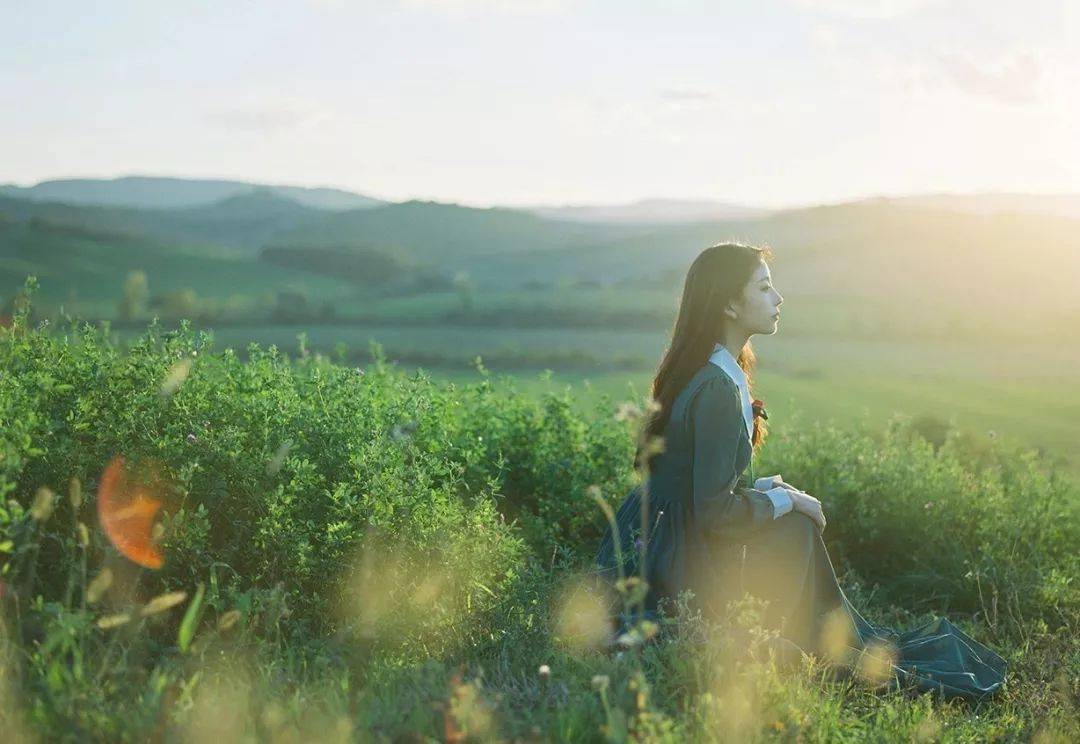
(758, 309)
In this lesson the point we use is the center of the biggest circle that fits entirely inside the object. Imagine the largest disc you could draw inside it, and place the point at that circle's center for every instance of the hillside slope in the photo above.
(151, 192)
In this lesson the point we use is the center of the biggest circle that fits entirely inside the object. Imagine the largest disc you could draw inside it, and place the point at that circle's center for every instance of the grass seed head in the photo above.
(175, 377)
(75, 492)
(100, 584)
(44, 503)
(114, 621)
(163, 602)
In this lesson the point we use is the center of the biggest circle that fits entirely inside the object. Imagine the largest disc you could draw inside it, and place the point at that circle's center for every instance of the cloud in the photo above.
(500, 6)
(876, 9)
(684, 95)
(1016, 79)
(825, 37)
(446, 7)
(260, 116)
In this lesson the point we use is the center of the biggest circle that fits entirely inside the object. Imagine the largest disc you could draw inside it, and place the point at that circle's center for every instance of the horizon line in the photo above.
(530, 206)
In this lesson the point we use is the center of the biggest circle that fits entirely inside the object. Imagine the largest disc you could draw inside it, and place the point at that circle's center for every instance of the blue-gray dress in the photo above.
(710, 532)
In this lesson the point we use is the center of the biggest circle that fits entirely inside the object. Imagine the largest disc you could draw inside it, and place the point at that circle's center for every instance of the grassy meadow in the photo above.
(309, 514)
(367, 553)
(1025, 393)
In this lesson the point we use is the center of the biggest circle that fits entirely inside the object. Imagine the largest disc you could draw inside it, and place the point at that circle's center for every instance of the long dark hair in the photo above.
(716, 277)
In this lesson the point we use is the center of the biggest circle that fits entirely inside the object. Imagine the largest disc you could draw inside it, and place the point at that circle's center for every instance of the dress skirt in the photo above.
(786, 564)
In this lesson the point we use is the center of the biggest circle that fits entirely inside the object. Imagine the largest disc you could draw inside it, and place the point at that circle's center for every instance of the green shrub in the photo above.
(278, 471)
(364, 551)
(957, 528)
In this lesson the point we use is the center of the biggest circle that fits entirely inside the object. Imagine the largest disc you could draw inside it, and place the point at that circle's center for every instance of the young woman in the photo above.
(700, 520)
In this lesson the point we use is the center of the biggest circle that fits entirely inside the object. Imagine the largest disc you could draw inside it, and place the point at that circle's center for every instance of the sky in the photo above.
(767, 102)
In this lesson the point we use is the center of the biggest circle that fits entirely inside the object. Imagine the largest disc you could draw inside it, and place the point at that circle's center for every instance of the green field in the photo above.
(351, 550)
(1025, 394)
(1004, 409)
(373, 555)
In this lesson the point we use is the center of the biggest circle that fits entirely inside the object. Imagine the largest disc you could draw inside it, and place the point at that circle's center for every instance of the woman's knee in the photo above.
(797, 524)
(797, 520)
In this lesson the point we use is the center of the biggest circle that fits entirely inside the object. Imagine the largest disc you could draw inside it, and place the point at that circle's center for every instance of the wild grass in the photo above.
(365, 554)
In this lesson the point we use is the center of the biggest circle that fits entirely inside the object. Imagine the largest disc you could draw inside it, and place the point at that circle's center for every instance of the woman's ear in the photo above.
(731, 313)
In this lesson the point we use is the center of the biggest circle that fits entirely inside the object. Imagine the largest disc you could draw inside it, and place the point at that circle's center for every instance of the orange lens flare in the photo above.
(127, 507)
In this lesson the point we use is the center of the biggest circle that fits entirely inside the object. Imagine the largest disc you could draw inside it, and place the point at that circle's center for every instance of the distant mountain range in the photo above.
(150, 192)
(653, 211)
(1057, 205)
(981, 262)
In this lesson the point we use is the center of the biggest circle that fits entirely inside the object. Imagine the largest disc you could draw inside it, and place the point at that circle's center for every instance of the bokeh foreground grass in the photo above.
(365, 554)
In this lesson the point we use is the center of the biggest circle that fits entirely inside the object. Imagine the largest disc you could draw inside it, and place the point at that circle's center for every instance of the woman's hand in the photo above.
(808, 505)
(800, 500)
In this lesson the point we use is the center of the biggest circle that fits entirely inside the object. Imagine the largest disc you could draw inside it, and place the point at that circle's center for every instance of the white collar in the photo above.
(722, 358)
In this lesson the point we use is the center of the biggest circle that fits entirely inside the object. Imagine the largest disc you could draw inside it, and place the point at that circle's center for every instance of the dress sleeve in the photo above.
(777, 493)
(781, 501)
(718, 425)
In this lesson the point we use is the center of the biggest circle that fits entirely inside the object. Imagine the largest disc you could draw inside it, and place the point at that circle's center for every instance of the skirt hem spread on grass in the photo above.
(787, 564)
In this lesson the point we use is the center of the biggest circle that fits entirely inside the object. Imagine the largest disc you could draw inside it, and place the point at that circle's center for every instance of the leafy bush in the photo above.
(359, 551)
(279, 472)
(971, 527)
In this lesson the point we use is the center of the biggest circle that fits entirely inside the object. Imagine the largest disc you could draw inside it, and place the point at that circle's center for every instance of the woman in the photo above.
(700, 520)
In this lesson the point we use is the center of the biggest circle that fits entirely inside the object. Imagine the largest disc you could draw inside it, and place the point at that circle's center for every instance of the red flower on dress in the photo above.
(759, 409)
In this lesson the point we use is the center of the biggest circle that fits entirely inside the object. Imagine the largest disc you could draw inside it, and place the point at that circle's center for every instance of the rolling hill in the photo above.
(653, 212)
(84, 268)
(876, 263)
(149, 192)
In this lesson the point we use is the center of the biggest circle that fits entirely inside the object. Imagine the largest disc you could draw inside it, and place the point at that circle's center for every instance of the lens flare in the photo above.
(838, 637)
(582, 619)
(876, 662)
(467, 716)
(393, 593)
(733, 710)
(127, 506)
(223, 707)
